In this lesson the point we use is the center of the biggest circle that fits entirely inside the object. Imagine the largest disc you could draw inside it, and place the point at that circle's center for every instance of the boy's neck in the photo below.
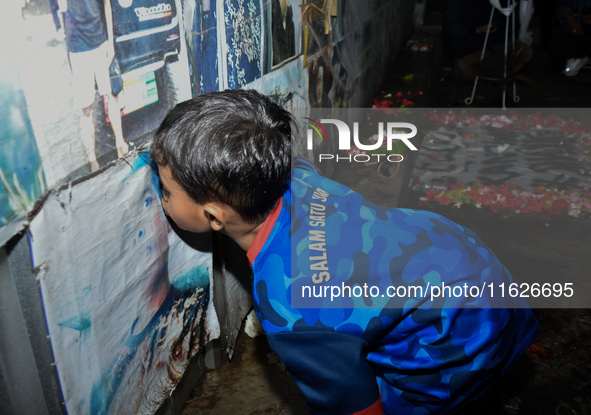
(241, 232)
(244, 235)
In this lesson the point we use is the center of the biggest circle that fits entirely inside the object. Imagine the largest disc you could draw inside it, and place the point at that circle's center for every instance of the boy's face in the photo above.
(178, 205)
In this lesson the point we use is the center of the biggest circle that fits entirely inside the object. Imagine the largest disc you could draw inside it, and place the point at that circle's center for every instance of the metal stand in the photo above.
(509, 13)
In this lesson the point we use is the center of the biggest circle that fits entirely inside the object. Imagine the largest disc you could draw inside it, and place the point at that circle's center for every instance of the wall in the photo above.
(126, 301)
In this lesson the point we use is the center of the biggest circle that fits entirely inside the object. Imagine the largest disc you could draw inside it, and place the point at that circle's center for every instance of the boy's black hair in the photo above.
(232, 146)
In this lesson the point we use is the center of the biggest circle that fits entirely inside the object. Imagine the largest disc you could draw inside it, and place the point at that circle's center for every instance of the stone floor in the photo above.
(554, 378)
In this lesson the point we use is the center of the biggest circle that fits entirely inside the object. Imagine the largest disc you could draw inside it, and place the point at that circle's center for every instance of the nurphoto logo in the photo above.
(380, 147)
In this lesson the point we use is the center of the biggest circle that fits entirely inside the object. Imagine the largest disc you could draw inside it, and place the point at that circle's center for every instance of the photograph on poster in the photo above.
(199, 19)
(151, 51)
(127, 302)
(243, 21)
(93, 97)
(285, 31)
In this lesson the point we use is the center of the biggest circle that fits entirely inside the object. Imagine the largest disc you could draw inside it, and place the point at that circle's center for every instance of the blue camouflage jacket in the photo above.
(381, 310)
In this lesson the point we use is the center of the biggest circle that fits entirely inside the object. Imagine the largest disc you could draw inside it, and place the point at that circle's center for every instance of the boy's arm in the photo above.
(331, 371)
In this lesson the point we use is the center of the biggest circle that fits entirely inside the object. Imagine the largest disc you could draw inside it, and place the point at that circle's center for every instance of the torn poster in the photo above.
(127, 302)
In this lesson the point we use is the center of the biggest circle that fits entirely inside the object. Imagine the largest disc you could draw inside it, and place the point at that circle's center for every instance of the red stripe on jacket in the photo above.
(375, 409)
(264, 232)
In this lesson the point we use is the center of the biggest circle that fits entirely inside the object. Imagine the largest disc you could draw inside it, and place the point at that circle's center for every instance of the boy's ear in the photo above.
(214, 213)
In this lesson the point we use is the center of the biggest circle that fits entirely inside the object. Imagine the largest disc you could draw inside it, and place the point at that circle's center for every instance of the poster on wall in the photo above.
(244, 38)
(92, 98)
(127, 302)
(286, 87)
(202, 45)
(22, 180)
(285, 31)
(21, 175)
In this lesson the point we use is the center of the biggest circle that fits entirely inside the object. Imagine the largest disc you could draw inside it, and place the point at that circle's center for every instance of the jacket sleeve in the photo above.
(331, 371)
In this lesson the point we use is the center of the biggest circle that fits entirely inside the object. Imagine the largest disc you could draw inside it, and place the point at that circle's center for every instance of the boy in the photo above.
(224, 161)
